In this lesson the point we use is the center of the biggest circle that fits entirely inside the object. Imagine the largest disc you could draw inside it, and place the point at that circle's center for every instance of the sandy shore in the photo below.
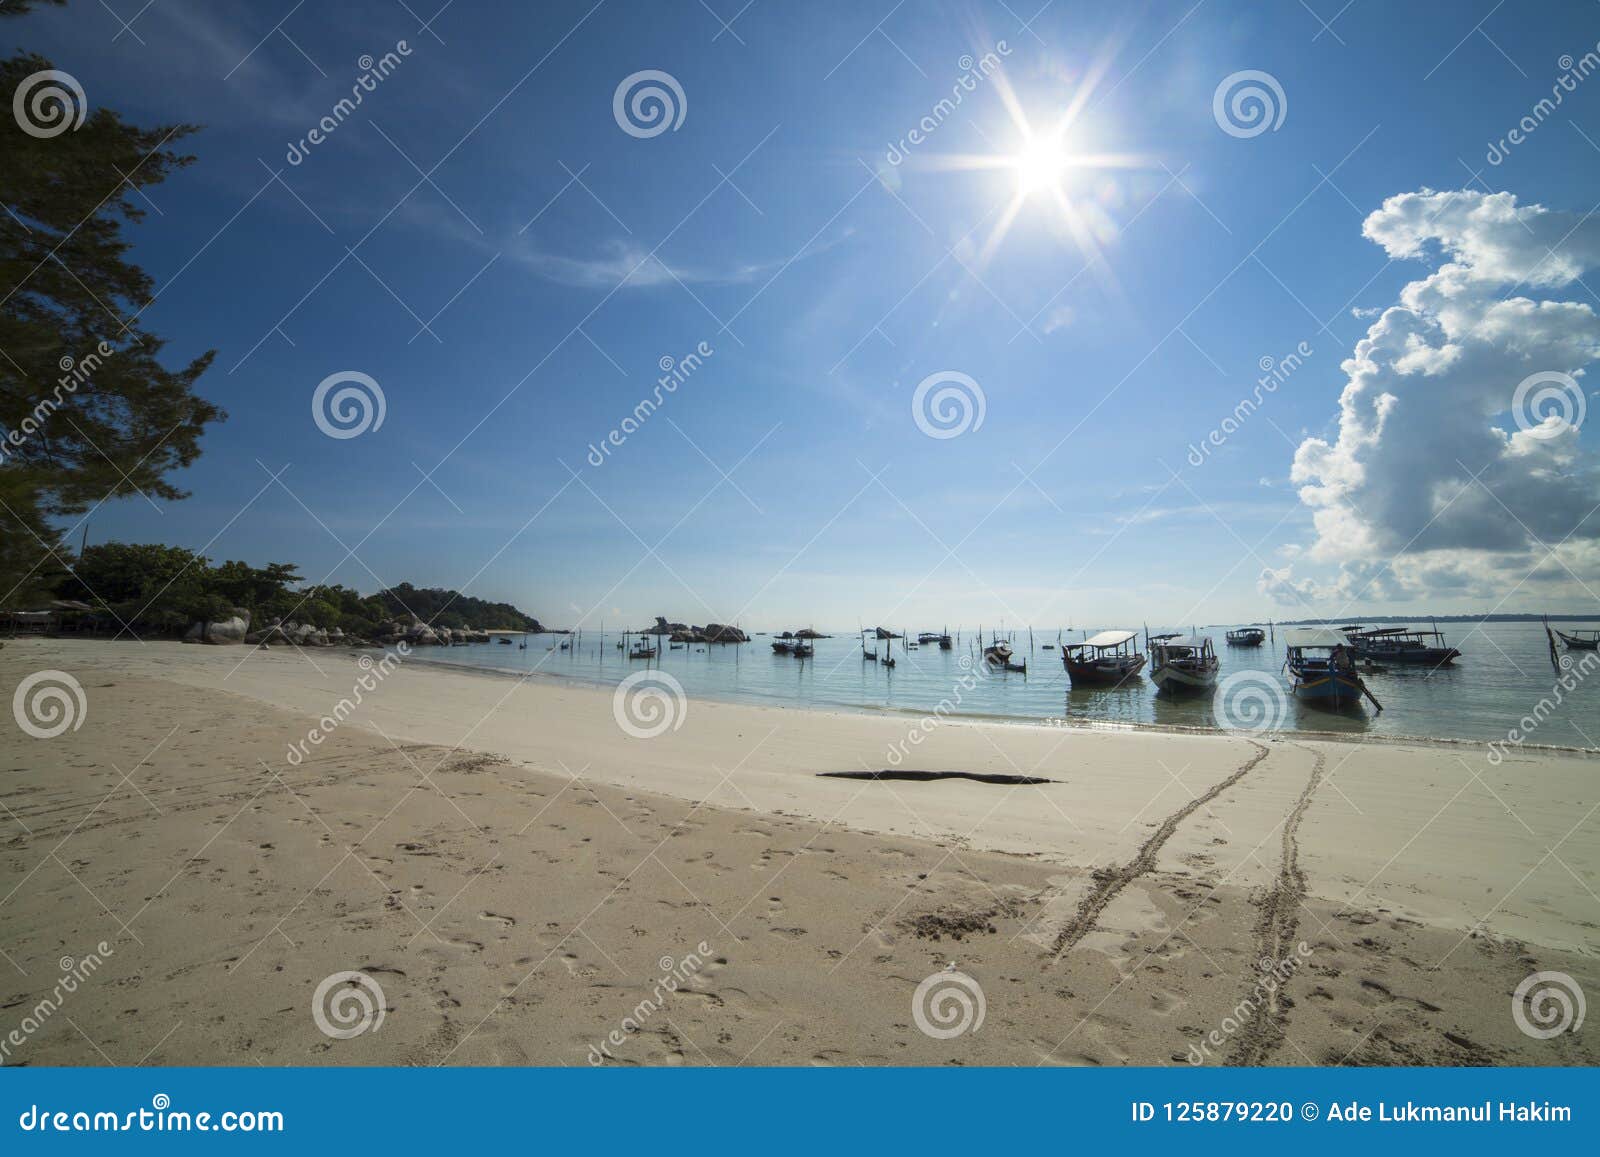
(520, 876)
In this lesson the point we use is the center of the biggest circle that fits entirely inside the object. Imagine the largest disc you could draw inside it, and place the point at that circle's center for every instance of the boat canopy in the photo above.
(1314, 637)
(1193, 642)
(1106, 639)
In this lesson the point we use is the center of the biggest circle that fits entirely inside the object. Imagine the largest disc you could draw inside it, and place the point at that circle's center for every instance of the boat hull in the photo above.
(1575, 644)
(1103, 672)
(1321, 689)
(1411, 656)
(1183, 681)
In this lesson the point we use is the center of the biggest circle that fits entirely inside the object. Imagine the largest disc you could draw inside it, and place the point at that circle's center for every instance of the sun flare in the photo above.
(1040, 165)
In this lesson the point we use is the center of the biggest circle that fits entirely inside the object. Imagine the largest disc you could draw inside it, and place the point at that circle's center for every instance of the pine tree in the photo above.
(87, 409)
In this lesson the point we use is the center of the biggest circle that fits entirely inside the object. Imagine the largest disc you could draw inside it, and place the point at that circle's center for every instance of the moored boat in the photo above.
(1246, 637)
(999, 654)
(1182, 663)
(1320, 665)
(1105, 660)
(1402, 645)
(1580, 640)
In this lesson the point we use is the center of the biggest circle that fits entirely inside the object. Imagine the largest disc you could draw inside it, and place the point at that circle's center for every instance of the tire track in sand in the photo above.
(1266, 1025)
(1108, 882)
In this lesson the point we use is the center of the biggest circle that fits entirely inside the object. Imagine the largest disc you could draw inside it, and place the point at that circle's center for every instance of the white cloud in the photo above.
(1430, 484)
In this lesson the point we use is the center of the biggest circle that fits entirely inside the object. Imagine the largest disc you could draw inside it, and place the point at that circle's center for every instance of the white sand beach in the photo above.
(515, 871)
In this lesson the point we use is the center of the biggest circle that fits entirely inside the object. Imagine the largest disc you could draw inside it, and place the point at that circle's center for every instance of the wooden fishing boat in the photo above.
(999, 654)
(1580, 640)
(802, 649)
(783, 646)
(643, 650)
(1182, 663)
(1320, 665)
(946, 642)
(1402, 645)
(1105, 660)
(1247, 637)
(927, 637)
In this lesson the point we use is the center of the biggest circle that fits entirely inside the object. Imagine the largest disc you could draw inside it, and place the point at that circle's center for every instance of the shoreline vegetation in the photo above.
(169, 590)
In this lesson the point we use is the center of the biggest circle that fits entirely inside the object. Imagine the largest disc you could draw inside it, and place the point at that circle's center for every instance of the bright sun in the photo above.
(1040, 165)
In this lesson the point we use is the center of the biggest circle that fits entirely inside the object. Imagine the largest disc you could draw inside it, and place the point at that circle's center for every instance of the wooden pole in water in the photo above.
(1549, 635)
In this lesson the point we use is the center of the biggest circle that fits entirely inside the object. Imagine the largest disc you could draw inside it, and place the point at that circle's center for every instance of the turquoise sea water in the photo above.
(1504, 674)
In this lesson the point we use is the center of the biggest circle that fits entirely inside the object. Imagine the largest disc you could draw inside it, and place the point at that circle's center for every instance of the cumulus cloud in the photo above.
(1442, 477)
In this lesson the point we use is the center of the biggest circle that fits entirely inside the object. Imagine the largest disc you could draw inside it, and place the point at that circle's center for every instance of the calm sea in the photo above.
(1504, 675)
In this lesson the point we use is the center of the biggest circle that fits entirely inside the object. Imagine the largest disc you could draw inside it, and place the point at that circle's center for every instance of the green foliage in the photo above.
(18, 7)
(87, 409)
(128, 576)
(442, 608)
(162, 589)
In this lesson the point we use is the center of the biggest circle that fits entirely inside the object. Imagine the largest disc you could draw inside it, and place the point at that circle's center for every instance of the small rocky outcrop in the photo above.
(233, 629)
(683, 633)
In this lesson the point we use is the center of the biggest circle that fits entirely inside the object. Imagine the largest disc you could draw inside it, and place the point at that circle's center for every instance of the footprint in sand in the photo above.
(1164, 1003)
(495, 918)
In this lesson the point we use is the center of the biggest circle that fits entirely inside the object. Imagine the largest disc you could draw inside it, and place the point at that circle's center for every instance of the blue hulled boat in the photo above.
(1321, 669)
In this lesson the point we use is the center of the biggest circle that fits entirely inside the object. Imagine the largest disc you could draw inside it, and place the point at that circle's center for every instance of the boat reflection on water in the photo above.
(1125, 702)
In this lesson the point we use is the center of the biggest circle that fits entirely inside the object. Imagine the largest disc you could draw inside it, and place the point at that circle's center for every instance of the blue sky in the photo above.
(786, 480)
